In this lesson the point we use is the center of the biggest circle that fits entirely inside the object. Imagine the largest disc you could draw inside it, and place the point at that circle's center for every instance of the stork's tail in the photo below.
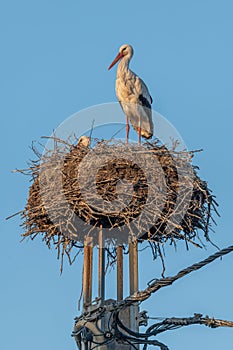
(146, 134)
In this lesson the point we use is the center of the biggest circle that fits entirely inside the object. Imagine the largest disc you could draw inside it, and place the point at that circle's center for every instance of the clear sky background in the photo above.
(54, 59)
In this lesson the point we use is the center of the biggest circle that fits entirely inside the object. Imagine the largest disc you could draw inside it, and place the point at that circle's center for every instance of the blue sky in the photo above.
(54, 59)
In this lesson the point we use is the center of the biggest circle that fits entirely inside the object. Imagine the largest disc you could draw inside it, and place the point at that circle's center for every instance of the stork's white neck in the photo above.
(123, 66)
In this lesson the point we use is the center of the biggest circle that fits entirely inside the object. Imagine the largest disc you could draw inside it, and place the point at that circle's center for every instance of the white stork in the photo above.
(133, 95)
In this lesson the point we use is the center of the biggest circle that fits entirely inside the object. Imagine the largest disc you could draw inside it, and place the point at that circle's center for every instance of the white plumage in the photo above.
(133, 95)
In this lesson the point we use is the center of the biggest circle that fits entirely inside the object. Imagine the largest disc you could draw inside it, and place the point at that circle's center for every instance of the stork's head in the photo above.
(124, 51)
(84, 141)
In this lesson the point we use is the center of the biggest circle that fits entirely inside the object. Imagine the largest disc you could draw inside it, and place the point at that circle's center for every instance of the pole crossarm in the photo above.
(163, 282)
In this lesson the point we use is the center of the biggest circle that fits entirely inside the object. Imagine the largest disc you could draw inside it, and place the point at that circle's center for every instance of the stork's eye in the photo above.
(123, 49)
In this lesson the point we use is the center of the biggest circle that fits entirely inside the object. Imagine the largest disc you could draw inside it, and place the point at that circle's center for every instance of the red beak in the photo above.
(119, 56)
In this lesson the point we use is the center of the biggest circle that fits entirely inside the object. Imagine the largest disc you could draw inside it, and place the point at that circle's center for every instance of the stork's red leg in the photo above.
(139, 135)
(139, 130)
(127, 130)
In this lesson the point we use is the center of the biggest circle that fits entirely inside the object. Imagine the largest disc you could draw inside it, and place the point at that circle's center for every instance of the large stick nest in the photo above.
(56, 205)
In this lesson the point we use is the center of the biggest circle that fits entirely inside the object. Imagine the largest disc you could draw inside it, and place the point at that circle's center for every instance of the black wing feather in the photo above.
(144, 101)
